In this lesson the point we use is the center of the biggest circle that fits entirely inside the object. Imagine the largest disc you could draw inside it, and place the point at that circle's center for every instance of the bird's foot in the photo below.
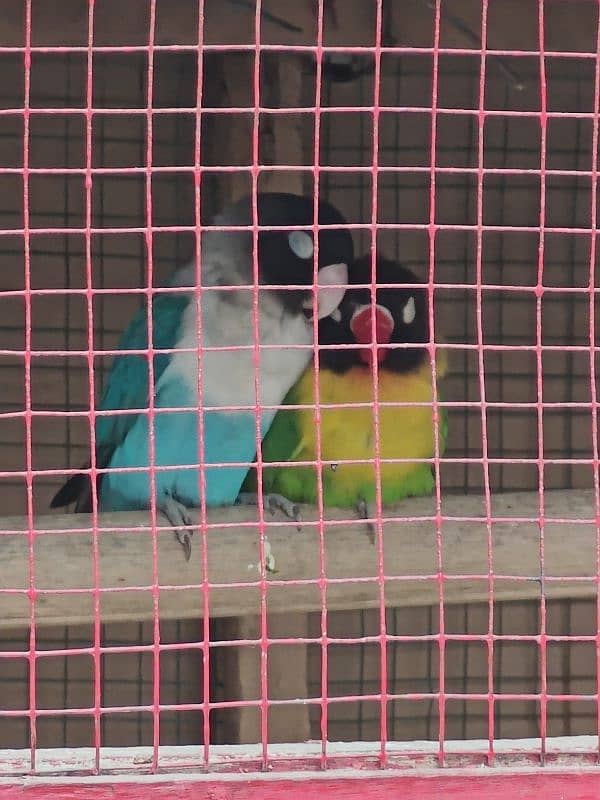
(272, 503)
(366, 511)
(178, 516)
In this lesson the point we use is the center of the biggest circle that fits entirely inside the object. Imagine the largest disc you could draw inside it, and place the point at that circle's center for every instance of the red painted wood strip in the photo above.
(495, 785)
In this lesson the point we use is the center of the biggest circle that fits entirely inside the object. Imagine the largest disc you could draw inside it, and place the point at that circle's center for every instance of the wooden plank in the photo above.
(287, 129)
(63, 560)
(353, 769)
(287, 677)
(283, 760)
(493, 784)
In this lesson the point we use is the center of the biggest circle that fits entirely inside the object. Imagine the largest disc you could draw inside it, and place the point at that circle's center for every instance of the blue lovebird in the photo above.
(285, 258)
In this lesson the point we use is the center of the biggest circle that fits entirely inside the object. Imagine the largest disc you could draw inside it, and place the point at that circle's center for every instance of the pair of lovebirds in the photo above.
(204, 356)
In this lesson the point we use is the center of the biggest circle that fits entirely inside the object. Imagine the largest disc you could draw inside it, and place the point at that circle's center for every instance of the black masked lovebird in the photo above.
(346, 377)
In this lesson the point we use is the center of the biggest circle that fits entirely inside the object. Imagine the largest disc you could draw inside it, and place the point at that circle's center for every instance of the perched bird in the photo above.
(346, 377)
(227, 376)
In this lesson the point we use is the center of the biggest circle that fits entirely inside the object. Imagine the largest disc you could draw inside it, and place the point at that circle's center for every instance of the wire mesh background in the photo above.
(511, 202)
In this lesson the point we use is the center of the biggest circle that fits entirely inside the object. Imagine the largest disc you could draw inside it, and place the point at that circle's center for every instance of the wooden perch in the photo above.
(64, 561)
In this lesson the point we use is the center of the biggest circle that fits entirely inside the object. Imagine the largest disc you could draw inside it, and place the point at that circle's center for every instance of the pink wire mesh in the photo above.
(479, 347)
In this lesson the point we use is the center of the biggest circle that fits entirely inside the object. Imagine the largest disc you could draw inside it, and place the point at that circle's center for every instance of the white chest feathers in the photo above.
(230, 377)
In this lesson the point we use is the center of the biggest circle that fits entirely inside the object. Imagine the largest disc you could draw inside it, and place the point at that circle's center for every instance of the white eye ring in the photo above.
(301, 244)
(409, 312)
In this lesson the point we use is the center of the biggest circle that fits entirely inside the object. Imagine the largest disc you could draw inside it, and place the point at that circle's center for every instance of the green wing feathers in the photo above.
(283, 442)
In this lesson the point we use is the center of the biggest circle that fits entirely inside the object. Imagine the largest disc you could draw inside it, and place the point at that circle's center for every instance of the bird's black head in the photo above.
(401, 317)
(286, 257)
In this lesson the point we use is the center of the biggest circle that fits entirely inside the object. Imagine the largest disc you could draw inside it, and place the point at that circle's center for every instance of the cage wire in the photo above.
(60, 323)
(511, 143)
(512, 155)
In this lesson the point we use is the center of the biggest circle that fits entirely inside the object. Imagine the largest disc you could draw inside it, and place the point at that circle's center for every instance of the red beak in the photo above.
(361, 325)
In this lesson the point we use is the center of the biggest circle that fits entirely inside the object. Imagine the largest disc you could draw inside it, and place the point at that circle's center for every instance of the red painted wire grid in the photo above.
(433, 229)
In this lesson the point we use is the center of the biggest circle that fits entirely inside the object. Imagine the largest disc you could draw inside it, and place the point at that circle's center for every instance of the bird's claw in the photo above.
(185, 540)
(277, 502)
(273, 503)
(178, 516)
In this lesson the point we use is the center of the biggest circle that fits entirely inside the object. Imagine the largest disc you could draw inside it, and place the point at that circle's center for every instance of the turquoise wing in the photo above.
(127, 388)
(127, 385)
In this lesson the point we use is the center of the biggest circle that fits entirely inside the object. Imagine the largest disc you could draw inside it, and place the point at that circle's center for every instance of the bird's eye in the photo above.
(301, 244)
(409, 311)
